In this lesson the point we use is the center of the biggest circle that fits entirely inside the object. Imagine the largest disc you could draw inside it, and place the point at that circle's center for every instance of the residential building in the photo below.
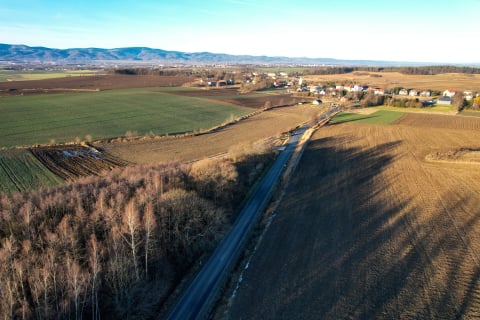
(445, 100)
(449, 93)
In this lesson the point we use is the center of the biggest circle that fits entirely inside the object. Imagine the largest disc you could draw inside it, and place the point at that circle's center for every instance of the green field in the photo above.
(450, 109)
(20, 171)
(7, 75)
(379, 117)
(41, 119)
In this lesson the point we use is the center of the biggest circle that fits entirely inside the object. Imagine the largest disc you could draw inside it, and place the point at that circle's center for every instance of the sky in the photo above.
(409, 30)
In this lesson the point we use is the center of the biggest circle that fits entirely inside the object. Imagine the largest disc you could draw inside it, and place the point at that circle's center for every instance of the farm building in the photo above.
(449, 93)
(445, 100)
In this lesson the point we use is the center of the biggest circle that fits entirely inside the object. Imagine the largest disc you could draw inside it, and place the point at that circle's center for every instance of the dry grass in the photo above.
(370, 230)
(262, 126)
(390, 80)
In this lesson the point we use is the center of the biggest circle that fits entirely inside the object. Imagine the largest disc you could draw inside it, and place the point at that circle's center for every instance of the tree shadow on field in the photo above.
(349, 242)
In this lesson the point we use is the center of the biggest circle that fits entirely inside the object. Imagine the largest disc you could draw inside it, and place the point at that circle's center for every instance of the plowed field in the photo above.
(73, 161)
(369, 229)
(89, 83)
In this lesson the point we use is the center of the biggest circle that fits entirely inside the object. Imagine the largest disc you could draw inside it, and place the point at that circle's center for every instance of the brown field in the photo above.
(368, 229)
(73, 161)
(261, 126)
(252, 100)
(390, 80)
(103, 82)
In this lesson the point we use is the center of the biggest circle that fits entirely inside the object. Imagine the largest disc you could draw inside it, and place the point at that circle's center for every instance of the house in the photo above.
(315, 89)
(449, 93)
(339, 87)
(358, 88)
(425, 93)
(413, 93)
(379, 91)
(468, 95)
(348, 87)
(317, 101)
(445, 100)
(403, 92)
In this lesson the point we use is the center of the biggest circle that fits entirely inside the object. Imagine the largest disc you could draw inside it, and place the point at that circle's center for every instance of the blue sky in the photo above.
(428, 31)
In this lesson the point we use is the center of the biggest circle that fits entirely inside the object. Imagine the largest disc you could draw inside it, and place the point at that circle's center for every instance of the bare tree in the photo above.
(94, 261)
(131, 230)
(149, 225)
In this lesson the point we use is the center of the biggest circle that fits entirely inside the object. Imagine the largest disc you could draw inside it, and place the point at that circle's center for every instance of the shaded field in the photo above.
(379, 117)
(441, 82)
(368, 229)
(100, 82)
(261, 126)
(74, 161)
(39, 119)
(20, 171)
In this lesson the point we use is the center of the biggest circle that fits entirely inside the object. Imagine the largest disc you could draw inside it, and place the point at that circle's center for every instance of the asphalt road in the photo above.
(200, 294)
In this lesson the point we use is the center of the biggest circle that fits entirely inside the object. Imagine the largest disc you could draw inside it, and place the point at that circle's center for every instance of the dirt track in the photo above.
(370, 230)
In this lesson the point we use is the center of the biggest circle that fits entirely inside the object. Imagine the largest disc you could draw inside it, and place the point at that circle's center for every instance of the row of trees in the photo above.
(427, 70)
(114, 247)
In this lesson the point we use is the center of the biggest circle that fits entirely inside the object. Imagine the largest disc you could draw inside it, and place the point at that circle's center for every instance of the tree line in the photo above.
(114, 247)
(426, 70)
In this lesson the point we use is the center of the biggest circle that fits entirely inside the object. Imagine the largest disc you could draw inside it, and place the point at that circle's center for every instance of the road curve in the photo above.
(199, 295)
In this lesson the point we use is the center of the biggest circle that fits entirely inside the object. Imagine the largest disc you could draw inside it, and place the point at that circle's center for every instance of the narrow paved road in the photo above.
(198, 297)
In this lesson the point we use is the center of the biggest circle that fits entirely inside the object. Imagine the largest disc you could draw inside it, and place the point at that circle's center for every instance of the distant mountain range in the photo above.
(139, 55)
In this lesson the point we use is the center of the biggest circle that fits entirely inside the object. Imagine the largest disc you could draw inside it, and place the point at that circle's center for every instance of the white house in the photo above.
(379, 91)
(403, 92)
(449, 93)
(413, 93)
(468, 95)
(425, 93)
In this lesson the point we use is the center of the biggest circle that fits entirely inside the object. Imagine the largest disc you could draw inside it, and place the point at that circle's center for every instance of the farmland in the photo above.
(390, 80)
(7, 75)
(369, 229)
(75, 161)
(378, 117)
(20, 170)
(267, 124)
(41, 119)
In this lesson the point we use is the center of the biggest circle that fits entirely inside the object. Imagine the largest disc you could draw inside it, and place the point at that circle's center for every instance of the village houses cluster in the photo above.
(283, 80)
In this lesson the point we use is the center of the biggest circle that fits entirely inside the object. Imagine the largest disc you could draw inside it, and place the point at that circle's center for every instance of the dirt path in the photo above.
(370, 230)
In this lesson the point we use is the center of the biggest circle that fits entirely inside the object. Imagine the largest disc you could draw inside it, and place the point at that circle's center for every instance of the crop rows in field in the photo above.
(31, 120)
(251, 100)
(73, 161)
(100, 82)
(369, 229)
(20, 171)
